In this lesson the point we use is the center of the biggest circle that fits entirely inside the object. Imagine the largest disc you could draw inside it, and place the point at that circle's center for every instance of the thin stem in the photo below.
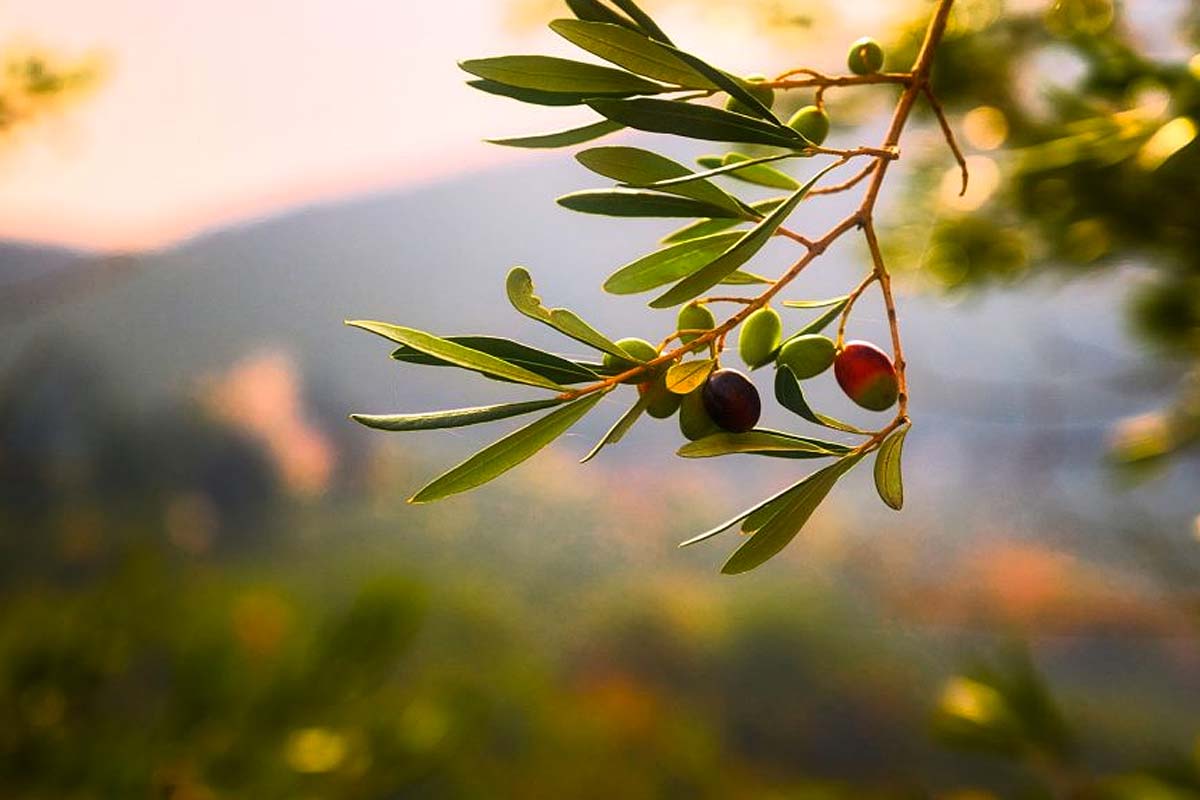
(818, 79)
(846, 184)
(850, 301)
(948, 132)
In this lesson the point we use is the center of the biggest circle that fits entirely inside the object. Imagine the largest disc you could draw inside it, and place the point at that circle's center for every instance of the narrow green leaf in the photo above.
(757, 442)
(519, 287)
(632, 203)
(631, 50)
(456, 354)
(783, 527)
(826, 303)
(548, 365)
(687, 376)
(693, 121)
(617, 432)
(669, 264)
(736, 88)
(563, 138)
(789, 395)
(642, 19)
(889, 480)
(595, 11)
(550, 74)
(740, 278)
(767, 511)
(537, 97)
(501, 456)
(456, 418)
(738, 254)
(708, 227)
(729, 523)
(784, 181)
(754, 170)
(641, 169)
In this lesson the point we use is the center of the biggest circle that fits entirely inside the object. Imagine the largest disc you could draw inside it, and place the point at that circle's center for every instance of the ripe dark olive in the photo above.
(694, 318)
(759, 336)
(812, 123)
(731, 401)
(867, 376)
(638, 348)
(661, 402)
(694, 422)
(866, 56)
(763, 94)
(807, 356)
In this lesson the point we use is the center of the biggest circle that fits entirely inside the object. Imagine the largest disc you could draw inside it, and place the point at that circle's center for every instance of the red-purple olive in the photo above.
(867, 376)
(731, 401)
(812, 123)
(759, 336)
(866, 56)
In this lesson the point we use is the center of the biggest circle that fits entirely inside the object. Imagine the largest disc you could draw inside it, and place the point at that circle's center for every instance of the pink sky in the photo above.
(218, 111)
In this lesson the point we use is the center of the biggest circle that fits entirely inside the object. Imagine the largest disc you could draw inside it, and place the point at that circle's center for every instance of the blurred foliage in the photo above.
(35, 83)
(1084, 160)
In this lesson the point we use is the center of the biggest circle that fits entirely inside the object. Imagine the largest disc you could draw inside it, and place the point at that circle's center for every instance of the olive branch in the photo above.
(655, 91)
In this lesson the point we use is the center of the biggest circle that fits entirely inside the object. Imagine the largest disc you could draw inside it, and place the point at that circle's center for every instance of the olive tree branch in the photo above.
(915, 83)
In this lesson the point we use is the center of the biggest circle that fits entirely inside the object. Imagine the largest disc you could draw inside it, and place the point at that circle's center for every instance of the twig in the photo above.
(948, 132)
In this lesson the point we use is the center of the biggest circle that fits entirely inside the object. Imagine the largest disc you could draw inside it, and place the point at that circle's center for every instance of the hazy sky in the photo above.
(221, 110)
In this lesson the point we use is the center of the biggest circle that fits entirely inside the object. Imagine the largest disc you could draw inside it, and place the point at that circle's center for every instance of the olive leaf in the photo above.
(548, 365)
(456, 354)
(519, 286)
(506, 453)
(536, 96)
(642, 19)
(565, 138)
(686, 377)
(669, 264)
(759, 441)
(789, 395)
(729, 523)
(738, 254)
(839, 301)
(779, 531)
(631, 50)
(754, 170)
(456, 418)
(707, 227)
(743, 168)
(736, 88)
(889, 481)
(617, 432)
(630, 203)
(694, 121)
(642, 169)
(595, 11)
(551, 74)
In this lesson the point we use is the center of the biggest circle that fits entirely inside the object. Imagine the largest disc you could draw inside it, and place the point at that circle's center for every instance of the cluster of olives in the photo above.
(728, 401)
(811, 122)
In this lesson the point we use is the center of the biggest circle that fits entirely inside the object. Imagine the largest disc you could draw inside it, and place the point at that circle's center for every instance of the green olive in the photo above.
(694, 318)
(812, 123)
(763, 94)
(866, 56)
(640, 349)
(759, 336)
(807, 356)
(694, 421)
(661, 402)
